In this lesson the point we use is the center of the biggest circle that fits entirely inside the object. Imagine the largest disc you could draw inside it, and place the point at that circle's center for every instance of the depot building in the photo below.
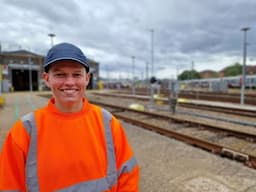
(21, 71)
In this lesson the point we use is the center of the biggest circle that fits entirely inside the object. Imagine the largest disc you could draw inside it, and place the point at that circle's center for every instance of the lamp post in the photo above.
(245, 29)
(133, 83)
(30, 75)
(51, 35)
(152, 51)
(146, 76)
(177, 71)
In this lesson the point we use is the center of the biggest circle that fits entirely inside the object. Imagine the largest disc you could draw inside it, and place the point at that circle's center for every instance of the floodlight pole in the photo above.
(30, 75)
(133, 76)
(147, 78)
(51, 35)
(245, 29)
(152, 51)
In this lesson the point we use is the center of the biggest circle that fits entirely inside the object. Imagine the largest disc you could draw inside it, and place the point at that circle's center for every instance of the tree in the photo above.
(233, 70)
(189, 74)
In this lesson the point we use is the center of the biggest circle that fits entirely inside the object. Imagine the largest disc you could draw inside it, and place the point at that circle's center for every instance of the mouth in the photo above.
(69, 91)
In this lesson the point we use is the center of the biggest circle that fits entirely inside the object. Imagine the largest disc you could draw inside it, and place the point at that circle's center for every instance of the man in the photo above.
(70, 144)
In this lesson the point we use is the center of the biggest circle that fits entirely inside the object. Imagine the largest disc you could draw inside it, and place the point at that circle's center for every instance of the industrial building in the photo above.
(21, 71)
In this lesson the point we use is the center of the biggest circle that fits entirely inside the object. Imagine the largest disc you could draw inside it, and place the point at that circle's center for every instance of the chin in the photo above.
(71, 100)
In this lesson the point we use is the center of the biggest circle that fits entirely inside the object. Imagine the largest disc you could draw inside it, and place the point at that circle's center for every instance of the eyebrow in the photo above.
(58, 69)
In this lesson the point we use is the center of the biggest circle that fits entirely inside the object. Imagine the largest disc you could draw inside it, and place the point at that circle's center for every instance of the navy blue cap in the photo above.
(65, 51)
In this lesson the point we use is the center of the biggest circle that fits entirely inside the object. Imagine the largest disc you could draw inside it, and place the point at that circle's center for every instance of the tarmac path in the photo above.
(16, 105)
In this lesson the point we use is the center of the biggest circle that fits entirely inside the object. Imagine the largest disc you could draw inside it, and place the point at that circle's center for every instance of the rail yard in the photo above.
(205, 145)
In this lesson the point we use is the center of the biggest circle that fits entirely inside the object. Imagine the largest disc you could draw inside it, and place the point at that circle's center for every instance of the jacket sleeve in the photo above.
(127, 167)
(12, 160)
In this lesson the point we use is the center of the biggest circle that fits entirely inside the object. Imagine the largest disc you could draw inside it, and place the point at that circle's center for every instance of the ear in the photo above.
(87, 78)
(45, 76)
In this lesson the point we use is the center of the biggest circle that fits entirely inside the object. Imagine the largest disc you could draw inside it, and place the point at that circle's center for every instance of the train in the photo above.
(229, 82)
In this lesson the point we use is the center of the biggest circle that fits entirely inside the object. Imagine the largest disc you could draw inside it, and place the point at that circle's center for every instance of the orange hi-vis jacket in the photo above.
(87, 151)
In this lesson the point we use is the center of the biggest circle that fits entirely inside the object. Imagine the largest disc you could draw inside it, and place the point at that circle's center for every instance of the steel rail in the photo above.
(237, 111)
(228, 131)
(248, 159)
(240, 112)
(229, 120)
(203, 95)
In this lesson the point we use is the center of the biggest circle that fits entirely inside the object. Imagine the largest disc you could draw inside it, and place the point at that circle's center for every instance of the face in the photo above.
(68, 81)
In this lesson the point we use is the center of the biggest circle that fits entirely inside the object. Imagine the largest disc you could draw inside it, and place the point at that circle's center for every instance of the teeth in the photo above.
(69, 91)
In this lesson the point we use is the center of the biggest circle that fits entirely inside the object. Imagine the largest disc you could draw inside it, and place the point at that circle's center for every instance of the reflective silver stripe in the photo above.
(10, 191)
(111, 169)
(31, 164)
(127, 166)
(97, 185)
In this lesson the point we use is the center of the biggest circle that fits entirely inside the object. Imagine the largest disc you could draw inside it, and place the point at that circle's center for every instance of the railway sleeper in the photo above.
(241, 157)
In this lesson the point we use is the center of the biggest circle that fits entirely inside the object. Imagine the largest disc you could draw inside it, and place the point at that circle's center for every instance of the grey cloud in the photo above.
(183, 30)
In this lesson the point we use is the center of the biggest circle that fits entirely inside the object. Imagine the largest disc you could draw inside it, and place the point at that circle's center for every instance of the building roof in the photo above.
(20, 53)
(251, 69)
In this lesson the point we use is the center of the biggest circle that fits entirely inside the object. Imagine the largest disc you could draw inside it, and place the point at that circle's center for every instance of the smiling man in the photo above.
(68, 80)
(70, 144)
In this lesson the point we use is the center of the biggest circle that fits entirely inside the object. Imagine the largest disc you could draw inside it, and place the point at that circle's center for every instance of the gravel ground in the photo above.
(168, 165)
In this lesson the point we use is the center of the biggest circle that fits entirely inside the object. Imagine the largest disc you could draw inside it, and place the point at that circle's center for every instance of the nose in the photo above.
(69, 80)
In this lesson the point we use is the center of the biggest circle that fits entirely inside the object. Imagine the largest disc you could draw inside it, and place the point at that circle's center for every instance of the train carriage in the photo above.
(231, 82)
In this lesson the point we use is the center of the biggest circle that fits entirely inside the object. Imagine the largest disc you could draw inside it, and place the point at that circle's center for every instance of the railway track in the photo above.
(240, 112)
(234, 144)
(191, 105)
(222, 97)
(203, 95)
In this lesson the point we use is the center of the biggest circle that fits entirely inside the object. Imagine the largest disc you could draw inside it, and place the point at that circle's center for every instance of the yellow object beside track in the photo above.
(137, 107)
(2, 100)
(183, 100)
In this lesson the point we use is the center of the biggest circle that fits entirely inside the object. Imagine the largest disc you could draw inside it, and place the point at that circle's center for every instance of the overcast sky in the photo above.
(204, 32)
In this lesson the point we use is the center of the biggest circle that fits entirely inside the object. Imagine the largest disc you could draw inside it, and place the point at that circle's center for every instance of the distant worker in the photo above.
(173, 96)
(70, 144)
(173, 103)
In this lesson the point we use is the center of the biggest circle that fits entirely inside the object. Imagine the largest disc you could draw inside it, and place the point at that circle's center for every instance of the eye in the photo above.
(59, 75)
(77, 75)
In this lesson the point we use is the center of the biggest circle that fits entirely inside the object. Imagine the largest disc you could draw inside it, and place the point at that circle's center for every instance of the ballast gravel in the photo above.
(168, 165)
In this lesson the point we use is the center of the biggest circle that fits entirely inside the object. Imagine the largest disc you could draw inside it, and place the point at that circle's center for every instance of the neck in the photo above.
(69, 107)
